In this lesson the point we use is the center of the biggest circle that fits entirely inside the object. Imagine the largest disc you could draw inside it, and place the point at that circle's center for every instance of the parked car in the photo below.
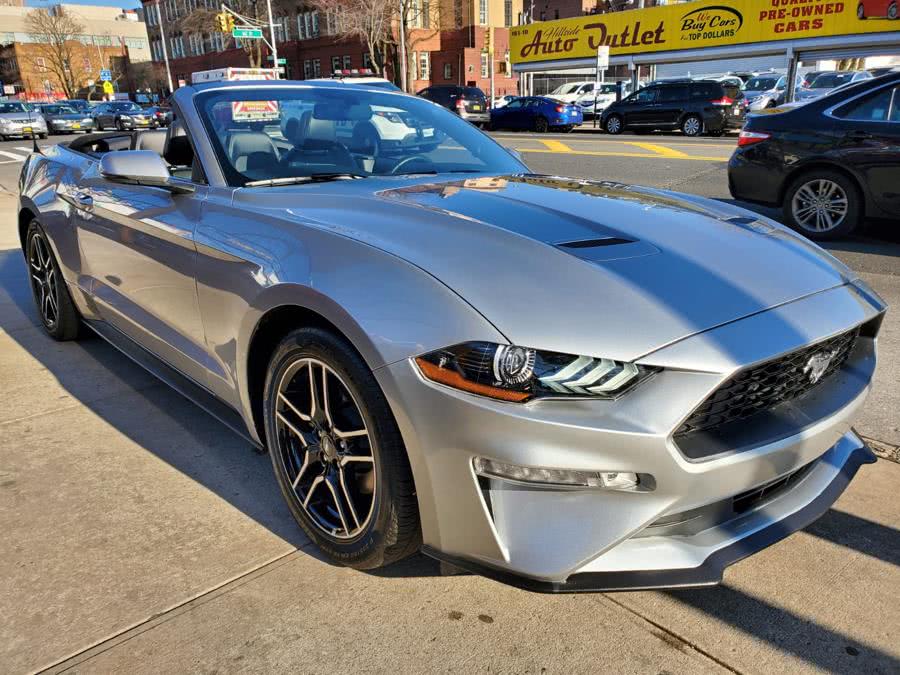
(829, 163)
(17, 120)
(453, 354)
(571, 92)
(64, 119)
(80, 104)
(594, 102)
(694, 106)
(366, 77)
(122, 115)
(877, 9)
(469, 103)
(883, 70)
(826, 82)
(162, 114)
(537, 113)
(768, 90)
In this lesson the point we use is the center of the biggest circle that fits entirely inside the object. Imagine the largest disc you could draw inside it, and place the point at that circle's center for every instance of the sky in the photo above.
(126, 4)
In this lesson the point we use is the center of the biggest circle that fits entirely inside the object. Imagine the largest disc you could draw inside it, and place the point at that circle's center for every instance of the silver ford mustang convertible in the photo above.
(561, 384)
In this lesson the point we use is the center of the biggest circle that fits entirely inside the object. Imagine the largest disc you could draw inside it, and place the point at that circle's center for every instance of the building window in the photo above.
(367, 61)
(307, 69)
(425, 66)
(315, 24)
(425, 10)
(41, 64)
(317, 68)
(86, 63)
(507, 13)
(348, 63)
(485, 64)
(448, 71)
(483, 12)
(335, 64)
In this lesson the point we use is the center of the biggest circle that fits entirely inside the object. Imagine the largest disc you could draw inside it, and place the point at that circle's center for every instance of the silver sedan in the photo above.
(558, 383)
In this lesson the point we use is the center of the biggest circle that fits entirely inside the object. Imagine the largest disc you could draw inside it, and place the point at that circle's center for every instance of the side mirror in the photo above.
(141, 167)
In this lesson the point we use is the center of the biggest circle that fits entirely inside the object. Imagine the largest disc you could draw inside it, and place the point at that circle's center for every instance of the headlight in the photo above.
(87, 120)
(126, 118)
(519, 374)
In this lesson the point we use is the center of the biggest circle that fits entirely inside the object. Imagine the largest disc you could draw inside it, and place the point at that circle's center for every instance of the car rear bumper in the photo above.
(677, 531)
(477, 118)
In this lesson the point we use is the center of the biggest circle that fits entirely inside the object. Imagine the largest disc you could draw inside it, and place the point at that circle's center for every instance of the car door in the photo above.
(868, 129)
(139, 255)
(640, 108)
(505, 117)
(671, 104)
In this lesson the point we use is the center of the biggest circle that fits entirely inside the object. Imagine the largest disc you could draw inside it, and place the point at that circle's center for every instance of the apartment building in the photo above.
(448, 42)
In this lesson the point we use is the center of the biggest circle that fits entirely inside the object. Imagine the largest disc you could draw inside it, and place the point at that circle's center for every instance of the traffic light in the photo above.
(229, 23)
(224, 22)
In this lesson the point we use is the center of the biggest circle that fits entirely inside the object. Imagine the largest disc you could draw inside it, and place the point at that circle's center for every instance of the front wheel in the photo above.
(337, 452)
(892, 11)
(614, 125)
(99, 124)
(48, 288)
(860, 12)
(823, 205)
(692, 125)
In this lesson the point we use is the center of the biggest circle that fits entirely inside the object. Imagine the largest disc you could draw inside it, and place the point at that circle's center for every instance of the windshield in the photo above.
(59, 110)
(125, 106)
(286, 133)
(13, 107)
(566, 88)
(831, 80)
(761, 84)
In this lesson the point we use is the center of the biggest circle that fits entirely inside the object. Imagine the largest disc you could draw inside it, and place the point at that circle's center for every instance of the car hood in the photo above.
(601, 269)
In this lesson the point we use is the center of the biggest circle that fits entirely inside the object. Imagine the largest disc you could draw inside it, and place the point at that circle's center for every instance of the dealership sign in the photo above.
(709, 23)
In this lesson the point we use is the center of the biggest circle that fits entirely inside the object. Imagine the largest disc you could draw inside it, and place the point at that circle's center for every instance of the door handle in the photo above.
(859, 135)
(84, 199)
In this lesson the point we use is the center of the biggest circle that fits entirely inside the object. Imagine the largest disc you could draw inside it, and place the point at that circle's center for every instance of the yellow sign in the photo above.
(108, 87)
(706, 23)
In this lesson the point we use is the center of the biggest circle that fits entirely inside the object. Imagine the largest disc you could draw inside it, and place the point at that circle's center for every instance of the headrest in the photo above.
(151, 140)
(178, 150)
(247, 142)
(320, 130)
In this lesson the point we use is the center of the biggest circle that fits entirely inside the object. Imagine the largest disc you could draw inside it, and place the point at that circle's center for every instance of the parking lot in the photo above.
(143, 536)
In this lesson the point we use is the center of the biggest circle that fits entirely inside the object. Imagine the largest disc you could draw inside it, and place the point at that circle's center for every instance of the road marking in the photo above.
(600, 153)
(556, 146)
(13, 155)
(659, 150)
(23, 148)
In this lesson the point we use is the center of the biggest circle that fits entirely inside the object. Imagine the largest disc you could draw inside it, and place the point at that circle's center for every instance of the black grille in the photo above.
(765, 386)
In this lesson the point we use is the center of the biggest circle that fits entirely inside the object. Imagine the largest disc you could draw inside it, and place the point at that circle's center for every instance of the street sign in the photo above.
(602, 57)
(108, 87)
(281, 62)
(247, 33)
(105, 75)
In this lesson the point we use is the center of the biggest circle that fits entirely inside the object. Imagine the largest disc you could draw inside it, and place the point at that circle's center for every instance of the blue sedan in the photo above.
(536, 113)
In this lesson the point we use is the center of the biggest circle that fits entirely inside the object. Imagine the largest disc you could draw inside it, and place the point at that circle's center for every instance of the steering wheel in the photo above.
(409, 160)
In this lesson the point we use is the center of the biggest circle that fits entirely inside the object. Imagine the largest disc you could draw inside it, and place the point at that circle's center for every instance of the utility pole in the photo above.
(165, 50)
(274, 44)
(403, 64)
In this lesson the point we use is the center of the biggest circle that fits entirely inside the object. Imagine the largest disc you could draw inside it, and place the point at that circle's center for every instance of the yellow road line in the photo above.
(556, 146)
(659, 150)
(598, 153)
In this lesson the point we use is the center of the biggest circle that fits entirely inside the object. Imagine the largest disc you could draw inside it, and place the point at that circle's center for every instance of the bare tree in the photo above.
(422, 21)
(56, 46)
(369, 21)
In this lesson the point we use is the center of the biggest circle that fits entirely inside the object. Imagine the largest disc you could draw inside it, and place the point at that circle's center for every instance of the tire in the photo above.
(541, 126)
(381, 487)
(771, 104)
(119, 125)
(797, 212)
(614, 125)
(861, 12)
(99, 124)
(892, 12)
(57, 312)
(42, 136)
(692, 126)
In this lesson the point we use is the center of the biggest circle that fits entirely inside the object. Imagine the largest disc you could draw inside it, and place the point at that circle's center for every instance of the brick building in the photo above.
(26, 67)
(447, 43)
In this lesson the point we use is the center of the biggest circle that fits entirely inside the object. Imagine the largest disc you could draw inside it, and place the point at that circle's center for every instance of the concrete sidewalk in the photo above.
(142, 536)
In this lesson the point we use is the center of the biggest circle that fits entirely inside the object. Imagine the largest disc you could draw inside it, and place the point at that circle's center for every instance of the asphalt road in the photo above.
(140, 535)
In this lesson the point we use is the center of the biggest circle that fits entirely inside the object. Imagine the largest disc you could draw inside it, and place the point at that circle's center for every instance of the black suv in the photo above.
(694, 106)
(469, 103)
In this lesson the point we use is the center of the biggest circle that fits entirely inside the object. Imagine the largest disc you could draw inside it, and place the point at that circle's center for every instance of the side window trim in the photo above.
(836, 110)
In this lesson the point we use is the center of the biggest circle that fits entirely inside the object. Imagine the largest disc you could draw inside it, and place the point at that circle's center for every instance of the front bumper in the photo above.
(559, 539)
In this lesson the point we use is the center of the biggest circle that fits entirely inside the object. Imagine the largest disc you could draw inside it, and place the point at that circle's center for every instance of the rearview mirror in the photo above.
(140, 167)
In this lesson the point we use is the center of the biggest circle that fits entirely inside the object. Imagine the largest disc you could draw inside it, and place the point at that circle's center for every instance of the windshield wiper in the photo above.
(312, 178)
(431, 172)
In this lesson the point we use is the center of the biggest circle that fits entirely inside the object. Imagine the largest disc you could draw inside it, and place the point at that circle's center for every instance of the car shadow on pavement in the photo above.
(858, 534)
(147, 411)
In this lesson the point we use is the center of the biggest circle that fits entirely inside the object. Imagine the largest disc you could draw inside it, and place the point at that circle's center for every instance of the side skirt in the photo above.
(184, 385)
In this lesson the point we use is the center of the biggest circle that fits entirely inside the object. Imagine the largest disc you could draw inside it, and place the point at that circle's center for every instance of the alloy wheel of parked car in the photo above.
(860, 12)
(614, 125)
(51, 297)
(692, 126)
(822, 205)
(337, 453)
(892, 11)
(540, 125)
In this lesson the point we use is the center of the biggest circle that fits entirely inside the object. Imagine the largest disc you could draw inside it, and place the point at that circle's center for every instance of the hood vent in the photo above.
(595, 243)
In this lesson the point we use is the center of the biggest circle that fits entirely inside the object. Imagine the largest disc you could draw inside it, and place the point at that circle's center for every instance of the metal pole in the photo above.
(274, 44)
(162, 35)
(403, 64)
(792, 63)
